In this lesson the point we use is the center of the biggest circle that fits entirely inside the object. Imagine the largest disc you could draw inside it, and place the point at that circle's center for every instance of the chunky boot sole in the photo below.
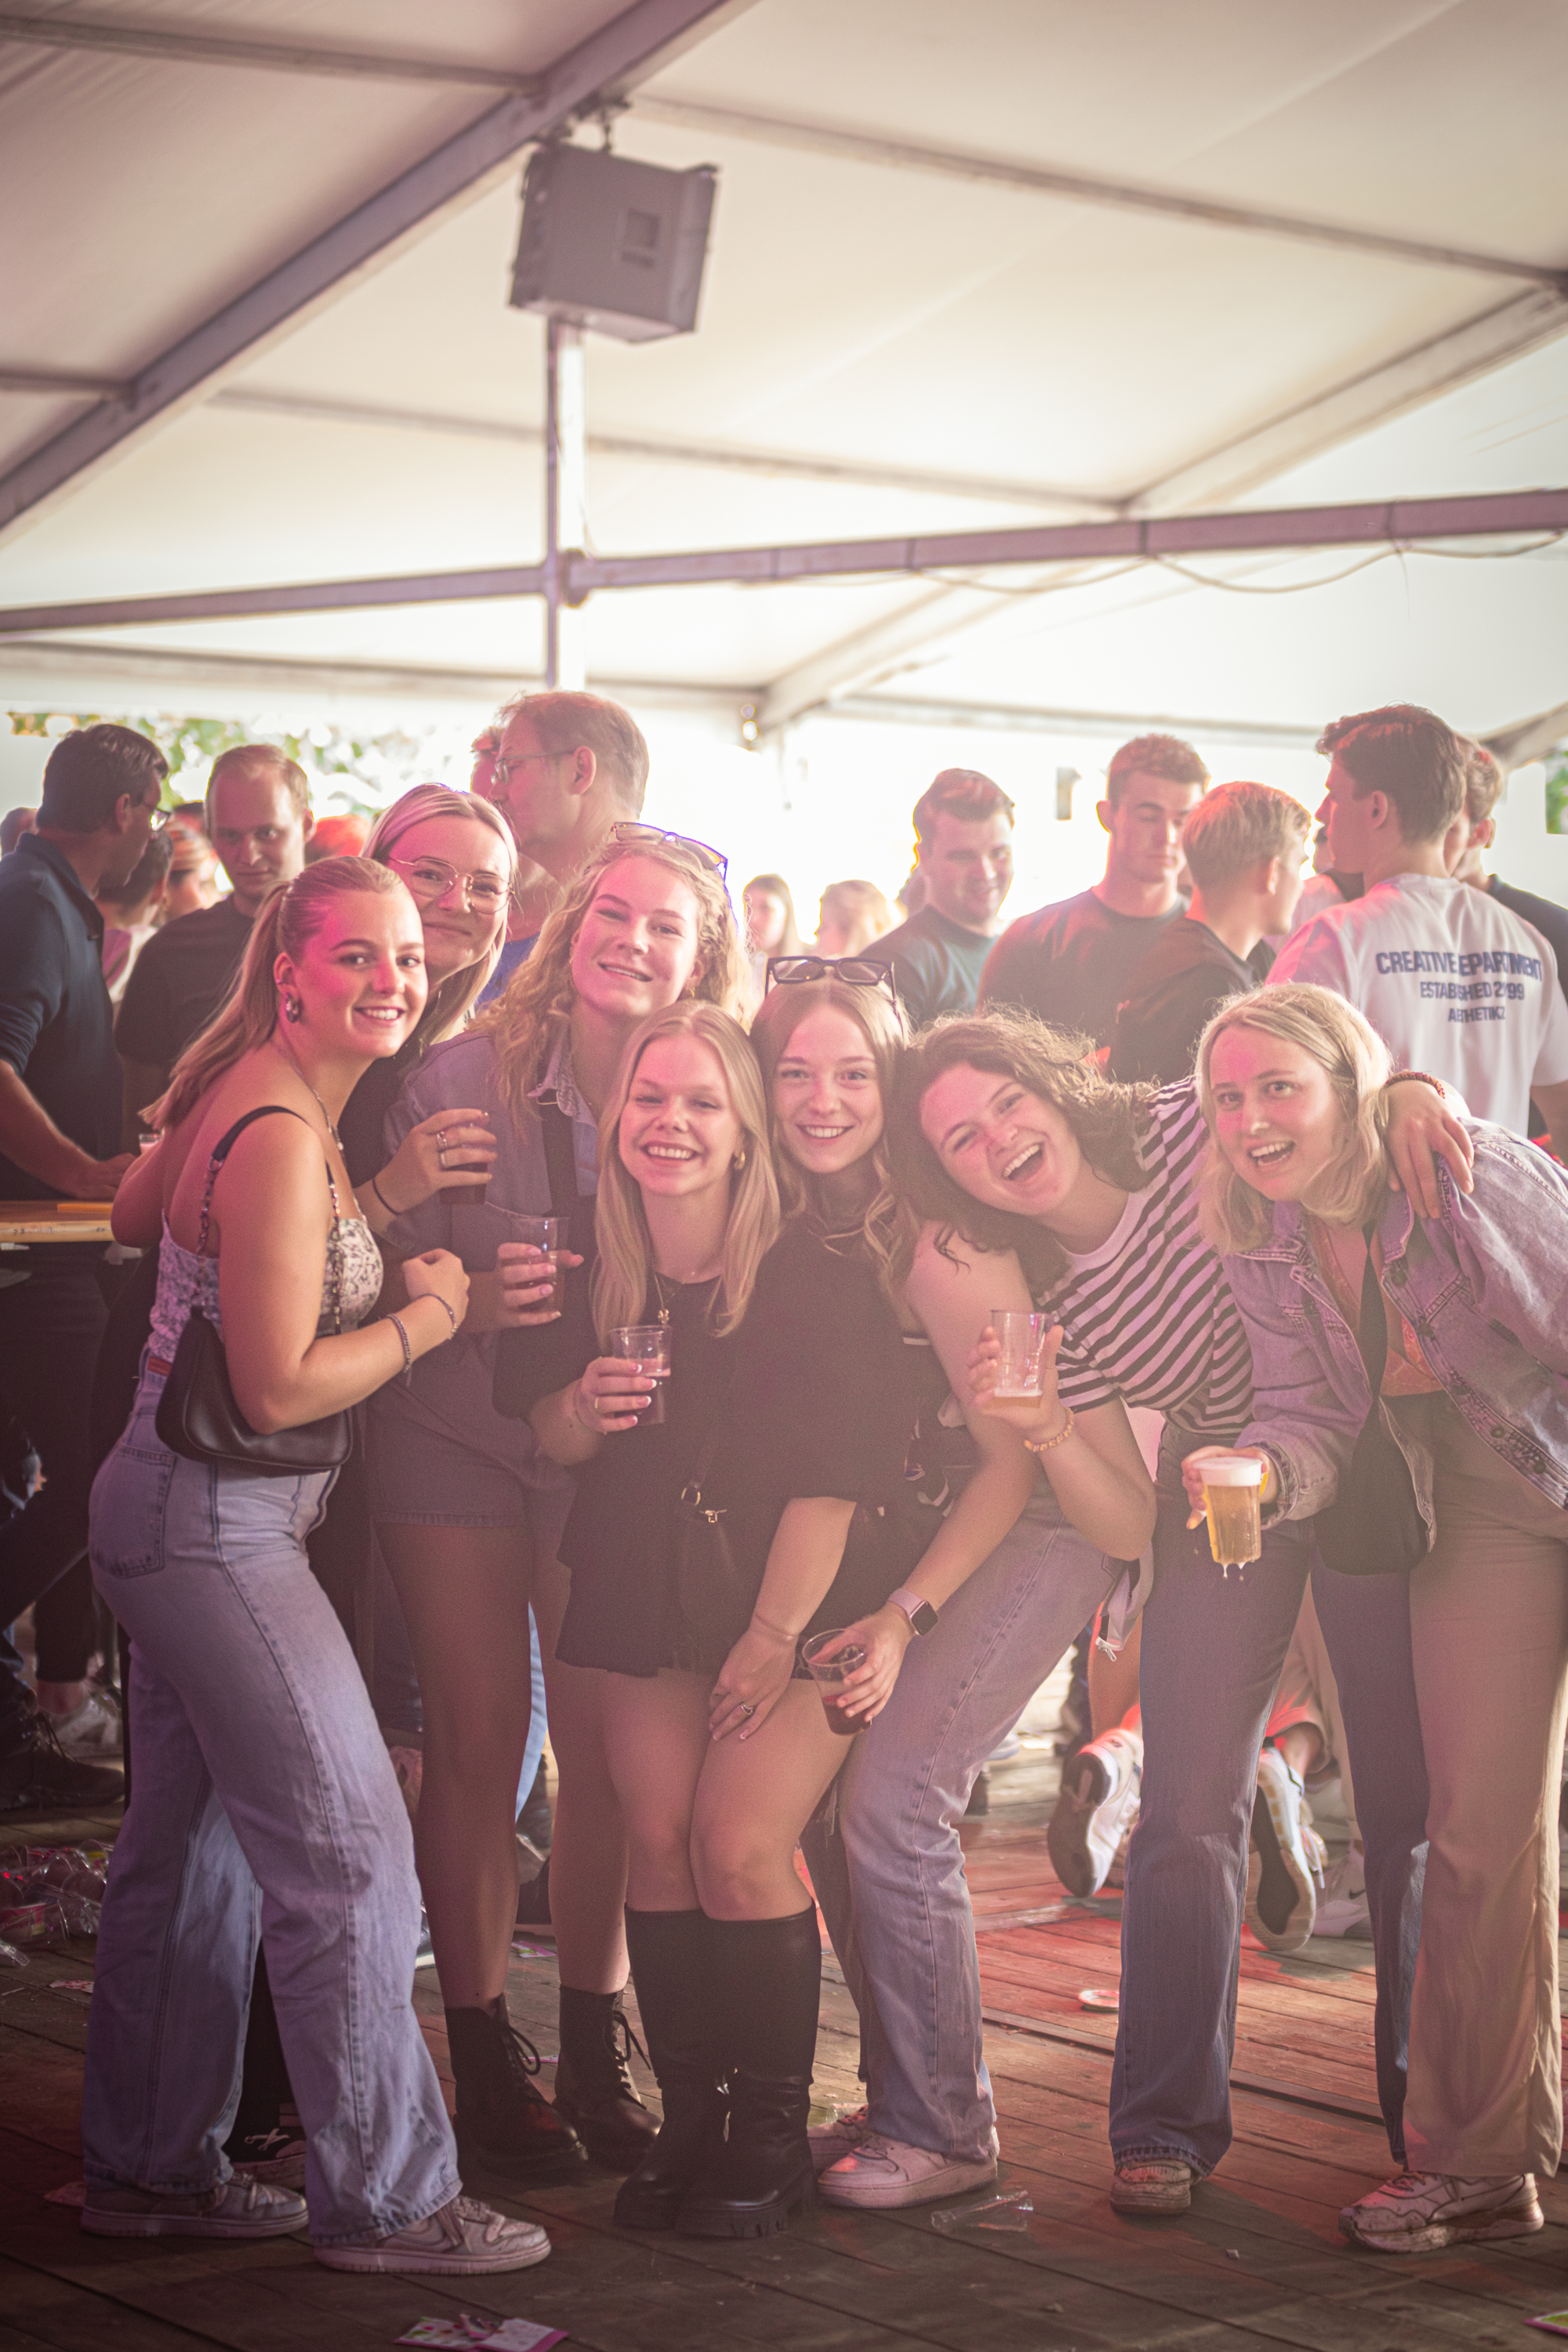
(707, 2216)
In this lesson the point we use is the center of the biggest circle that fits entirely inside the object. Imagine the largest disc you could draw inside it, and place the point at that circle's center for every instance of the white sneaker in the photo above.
(276, 2155)
(1342, 1907)
(1098, 1799)
(93, 1729)
(885, 2172)
(1284, 1868)
(842, 2137)
(236, 2208)
(1420, 2212)
(461, 2239)
(1152, 2184)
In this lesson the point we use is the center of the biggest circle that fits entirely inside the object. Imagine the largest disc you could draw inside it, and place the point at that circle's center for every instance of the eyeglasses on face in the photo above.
(653, 837)
(501, 769)
(429, 878)
(859, 971)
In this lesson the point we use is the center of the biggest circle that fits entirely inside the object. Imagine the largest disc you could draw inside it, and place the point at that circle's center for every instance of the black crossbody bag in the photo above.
(197, 1417)
(1373, 1526)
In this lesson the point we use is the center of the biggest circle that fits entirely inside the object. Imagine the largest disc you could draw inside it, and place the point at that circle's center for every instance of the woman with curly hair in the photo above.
(469, 1511)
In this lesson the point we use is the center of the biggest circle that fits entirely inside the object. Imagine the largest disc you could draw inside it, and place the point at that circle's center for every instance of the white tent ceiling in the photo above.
(904, 331)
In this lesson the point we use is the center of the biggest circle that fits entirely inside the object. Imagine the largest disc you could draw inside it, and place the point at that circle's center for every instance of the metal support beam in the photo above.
(1030, 719)
(1396, 522)
(1528, 739)
(1078, 187)
(269, 56)
(565, 648)
(645, 36)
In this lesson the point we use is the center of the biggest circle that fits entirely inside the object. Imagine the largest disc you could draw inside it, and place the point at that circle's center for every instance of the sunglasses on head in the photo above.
(858, 972)
(653, 837)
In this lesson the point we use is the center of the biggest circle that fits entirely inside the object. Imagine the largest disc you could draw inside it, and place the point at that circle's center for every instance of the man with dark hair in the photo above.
(1243, 845)
(1453, 982)
(13, 826)
(1466, 846)
(259, 820)
(1070, 963)
(59, 1122)
(963, 855)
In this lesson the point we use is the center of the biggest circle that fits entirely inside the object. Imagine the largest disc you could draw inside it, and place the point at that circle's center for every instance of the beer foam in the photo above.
(1232, 1470)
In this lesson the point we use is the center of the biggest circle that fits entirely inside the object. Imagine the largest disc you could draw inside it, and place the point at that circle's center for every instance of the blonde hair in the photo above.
(626, 1256)
(525, 1023)
(248, 1013)
(450, 1001)
(1235, 826)
(889, 1229)
(1345, 1044)
(859, 909)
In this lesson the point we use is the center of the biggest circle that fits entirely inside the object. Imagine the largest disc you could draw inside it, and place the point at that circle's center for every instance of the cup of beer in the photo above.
(1022, 1337)
(646, 1345)
(549, 1234)
(830, 1674)
(1232, 1496)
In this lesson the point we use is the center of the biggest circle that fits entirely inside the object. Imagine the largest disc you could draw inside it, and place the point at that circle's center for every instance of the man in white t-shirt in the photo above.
(1455, 983)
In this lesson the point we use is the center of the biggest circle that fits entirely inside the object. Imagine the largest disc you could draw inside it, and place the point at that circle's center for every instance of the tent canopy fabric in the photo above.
(956, 278)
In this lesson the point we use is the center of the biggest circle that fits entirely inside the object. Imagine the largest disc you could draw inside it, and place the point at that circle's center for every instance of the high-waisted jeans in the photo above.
(264, 1803)
(891, 1883)
(1213, 1648)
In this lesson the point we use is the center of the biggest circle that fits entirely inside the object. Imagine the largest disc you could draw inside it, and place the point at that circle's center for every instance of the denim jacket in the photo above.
(1484, 1286)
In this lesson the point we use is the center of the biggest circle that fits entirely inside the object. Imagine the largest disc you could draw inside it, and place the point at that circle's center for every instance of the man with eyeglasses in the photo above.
(569, 767)
(59, 1123)
(259, 821)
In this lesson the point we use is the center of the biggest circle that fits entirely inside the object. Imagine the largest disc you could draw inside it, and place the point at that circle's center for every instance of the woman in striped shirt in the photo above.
(1017, 1143)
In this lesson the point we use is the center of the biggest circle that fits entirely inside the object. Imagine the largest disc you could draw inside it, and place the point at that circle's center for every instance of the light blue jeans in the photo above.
(1212, 1647)
(891, 1881)
(264, 1802)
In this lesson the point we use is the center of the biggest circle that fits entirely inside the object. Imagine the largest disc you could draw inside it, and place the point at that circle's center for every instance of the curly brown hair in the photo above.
(1105, 1119)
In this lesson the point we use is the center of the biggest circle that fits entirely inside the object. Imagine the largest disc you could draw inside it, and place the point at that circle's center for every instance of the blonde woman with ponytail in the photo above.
(469, 1511)
(263, 1793)
(703, 1548)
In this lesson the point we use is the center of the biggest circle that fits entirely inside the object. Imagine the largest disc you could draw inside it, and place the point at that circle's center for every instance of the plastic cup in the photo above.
(1023, 1341)
(547, 1234)
(831, 1673)
(646, 1345)
(1232, 1500)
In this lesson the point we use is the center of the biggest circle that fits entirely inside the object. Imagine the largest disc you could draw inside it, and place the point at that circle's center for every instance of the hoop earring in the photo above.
(292, 1008)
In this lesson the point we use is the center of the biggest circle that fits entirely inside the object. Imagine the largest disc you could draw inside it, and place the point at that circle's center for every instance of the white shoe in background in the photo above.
(1285, 1868)
(93, 1729)
(1342, 1909)
(1098, 1803)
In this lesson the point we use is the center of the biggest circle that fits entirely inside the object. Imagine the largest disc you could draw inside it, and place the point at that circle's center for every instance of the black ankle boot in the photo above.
(594, 2087)
(501, 2117)
(771, 1973)
(672, 1968)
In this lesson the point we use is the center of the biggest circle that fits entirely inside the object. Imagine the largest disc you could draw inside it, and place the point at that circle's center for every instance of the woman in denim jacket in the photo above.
(1475, 1395)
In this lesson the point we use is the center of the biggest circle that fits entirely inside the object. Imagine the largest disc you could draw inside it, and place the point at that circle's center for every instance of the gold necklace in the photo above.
(706, 1282)
(299, 1074)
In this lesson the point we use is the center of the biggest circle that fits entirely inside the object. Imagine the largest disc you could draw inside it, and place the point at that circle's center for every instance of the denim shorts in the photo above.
(441, 1455)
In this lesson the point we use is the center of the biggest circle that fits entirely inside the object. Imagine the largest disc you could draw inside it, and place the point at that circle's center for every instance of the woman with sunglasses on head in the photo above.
(264, 1796)
(1324, 1252)
(704, 1548)
(1011, 1138)
(935, 1689)
(469, 1511)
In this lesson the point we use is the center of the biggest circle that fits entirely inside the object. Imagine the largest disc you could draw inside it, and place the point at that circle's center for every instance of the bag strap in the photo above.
(560, 1157)
(221, 1150)
(1372, 1334)
(692, 1492)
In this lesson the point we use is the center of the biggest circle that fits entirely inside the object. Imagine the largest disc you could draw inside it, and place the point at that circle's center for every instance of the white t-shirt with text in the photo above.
(1453, 983)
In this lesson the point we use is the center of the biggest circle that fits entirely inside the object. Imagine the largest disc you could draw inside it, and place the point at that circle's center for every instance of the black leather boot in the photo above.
(501, 2117)
(672, 1968)
(593, 2086)
(771, 1975)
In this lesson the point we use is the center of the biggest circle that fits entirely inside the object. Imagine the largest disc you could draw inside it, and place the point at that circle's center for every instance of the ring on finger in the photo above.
(440, 1139)
(747, 1710)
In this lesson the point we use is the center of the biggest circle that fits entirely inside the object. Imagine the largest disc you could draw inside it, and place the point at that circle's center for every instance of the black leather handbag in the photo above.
(197, 1417)
(714, 1599)
(1373, 1526)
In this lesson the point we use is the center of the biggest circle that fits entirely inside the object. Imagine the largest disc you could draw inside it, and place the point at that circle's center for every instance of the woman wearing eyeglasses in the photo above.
(934, 1688)
(469, 1511)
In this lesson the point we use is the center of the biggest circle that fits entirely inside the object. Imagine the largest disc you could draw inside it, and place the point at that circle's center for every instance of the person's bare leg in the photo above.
(656, 1745)
(753, 1800)
(464, 1592)
(1114, 1682)
(1303, 1746)
(588, 1855)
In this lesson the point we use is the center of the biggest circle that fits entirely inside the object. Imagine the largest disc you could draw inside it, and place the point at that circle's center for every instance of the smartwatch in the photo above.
(920, 1614)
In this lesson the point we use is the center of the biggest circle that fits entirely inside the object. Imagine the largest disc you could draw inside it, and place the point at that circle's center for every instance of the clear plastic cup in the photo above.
(547, 1234)
(830, 1674)
(1023, 1342)
(1233, 1501)
(646, 1345)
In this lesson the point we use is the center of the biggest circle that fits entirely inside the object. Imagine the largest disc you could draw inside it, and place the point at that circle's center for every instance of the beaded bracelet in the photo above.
(442, 1304)
(397, 1322)
(1049, 1444)
(1425, 1077)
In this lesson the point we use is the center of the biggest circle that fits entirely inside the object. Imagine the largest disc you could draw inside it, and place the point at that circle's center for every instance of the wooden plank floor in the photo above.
(1257, 2263)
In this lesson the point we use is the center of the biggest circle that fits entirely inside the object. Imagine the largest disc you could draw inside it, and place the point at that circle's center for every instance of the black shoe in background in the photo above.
(37, 1776)
(533, 1901)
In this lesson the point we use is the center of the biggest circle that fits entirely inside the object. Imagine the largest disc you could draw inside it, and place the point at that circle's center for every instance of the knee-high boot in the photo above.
(672, 1968)
(771, 1978)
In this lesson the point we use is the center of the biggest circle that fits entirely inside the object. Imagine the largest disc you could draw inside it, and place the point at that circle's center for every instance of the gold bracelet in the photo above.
(1049, 1444)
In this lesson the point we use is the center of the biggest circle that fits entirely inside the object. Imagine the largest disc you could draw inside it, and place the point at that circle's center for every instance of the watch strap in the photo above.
(922, 1617)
